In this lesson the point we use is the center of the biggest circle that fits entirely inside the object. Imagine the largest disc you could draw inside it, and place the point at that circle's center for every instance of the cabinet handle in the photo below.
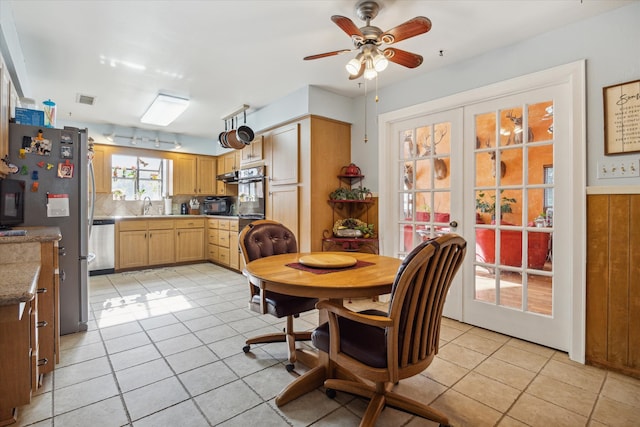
(42, 290)
(42, 324)
(43, 361)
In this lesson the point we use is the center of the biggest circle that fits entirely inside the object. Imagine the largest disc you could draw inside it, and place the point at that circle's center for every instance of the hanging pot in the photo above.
(245, 134)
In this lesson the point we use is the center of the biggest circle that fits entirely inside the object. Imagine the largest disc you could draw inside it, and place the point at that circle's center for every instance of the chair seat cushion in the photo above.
(280, 305)
(362, 342)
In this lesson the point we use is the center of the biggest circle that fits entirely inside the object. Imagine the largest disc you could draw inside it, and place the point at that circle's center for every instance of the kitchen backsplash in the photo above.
(106, 207)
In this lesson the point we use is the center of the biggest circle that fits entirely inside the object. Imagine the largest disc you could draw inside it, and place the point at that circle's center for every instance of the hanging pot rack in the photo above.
(233, 117)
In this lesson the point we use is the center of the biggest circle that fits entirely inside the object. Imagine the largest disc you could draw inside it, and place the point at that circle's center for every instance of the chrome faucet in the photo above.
(146, 205)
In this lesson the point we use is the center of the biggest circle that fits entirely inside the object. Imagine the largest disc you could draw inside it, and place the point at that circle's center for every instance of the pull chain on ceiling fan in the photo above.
(371, 58)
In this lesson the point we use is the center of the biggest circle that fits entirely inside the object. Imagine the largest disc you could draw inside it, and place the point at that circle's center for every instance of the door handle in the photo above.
(453, 224)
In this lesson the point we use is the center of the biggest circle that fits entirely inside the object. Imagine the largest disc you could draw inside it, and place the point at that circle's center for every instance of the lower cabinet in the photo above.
(144, 243)
(190, 240)
(223, 242)
(29, 335)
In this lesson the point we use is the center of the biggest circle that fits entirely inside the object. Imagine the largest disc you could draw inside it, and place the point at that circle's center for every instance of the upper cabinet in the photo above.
(252, 152)
(6, 96)
(283, 147)
(302, 159)
(194, 175)
(102, 169)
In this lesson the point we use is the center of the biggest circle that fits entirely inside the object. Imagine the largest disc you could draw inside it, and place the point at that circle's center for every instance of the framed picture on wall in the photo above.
(622, 118)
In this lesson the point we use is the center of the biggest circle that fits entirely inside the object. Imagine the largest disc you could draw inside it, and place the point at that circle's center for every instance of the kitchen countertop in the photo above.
(119, 217)
(18, 282)
(34, 234)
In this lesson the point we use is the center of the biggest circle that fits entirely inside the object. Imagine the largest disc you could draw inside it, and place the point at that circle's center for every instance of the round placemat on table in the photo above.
(327, 261)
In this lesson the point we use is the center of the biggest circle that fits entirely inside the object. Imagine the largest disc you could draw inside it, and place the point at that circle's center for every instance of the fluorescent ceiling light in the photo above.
(164, 109)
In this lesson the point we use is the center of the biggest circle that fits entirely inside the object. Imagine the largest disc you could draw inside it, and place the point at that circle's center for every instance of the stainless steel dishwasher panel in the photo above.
(102, 245)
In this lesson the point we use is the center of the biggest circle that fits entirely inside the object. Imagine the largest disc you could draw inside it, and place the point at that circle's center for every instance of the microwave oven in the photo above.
(220, 205)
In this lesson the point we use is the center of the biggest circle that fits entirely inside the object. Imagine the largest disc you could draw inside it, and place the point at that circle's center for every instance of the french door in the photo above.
(512, 151)
(428, 176)
(501, 173)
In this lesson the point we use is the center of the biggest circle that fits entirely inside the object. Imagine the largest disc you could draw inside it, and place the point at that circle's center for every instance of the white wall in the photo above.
(609, 43)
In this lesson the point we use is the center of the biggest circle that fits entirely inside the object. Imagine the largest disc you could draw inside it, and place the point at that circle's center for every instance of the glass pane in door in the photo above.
(514, 204)
(425, 184)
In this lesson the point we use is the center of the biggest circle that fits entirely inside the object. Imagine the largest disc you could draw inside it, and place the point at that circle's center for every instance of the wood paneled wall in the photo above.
(613, 282)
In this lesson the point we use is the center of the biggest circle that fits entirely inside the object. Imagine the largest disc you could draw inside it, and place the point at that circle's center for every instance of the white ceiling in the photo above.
(222, 54)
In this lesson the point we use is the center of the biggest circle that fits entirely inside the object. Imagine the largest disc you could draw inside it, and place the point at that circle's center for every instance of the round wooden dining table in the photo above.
(371, 275)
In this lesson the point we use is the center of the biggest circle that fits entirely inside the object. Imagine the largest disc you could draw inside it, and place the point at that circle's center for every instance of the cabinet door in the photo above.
(102, 170)
(229, 162)
(234, 251)
(185, 175)
(284, 148)
(282, 206)
(47, 306)
(252, 152)
(206, 175)
(133, 249)
(5, 99)
(161, 244)
(189, 244)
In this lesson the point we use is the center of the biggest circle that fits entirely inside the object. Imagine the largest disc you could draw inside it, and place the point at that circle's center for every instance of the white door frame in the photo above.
(573, 75)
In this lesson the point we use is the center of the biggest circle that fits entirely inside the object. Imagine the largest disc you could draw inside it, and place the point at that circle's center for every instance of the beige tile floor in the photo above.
(164, 348)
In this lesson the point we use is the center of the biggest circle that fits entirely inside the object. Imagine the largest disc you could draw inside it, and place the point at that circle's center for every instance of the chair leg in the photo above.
(376, 405)
(410, 405)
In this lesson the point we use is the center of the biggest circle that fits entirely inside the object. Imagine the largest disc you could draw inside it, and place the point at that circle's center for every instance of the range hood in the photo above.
(228, 177)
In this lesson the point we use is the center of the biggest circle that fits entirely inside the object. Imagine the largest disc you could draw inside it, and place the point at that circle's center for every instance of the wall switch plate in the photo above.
(618, 168)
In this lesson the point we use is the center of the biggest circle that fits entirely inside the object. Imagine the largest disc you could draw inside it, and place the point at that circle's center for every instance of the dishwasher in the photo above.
(102, 247)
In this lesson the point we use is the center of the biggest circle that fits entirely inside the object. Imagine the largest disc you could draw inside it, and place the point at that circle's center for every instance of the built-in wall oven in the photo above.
(251, 188)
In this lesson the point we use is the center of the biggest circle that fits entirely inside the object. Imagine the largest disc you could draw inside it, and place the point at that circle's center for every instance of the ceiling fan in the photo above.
(371, 59)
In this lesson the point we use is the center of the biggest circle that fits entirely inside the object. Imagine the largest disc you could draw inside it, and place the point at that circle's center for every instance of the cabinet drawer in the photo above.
(161, 224)
(213, 236)
(213, 223)
(213, 252)
(190, 223)
(223, 256)
(233, 226)
(133, 225)
(223, 224)
(223, 239)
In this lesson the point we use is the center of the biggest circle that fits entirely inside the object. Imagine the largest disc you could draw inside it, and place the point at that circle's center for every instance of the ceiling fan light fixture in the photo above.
(353, 66)
(370, 73)
(164, 110)
(380, 62)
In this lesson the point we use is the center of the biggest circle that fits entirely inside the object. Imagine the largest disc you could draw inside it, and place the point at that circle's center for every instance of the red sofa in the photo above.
(511, 247)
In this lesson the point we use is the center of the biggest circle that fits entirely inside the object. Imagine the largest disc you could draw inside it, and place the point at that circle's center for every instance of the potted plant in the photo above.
(484, 205)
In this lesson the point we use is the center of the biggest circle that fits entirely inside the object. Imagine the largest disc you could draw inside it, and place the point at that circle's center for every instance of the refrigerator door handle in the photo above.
(62, 275)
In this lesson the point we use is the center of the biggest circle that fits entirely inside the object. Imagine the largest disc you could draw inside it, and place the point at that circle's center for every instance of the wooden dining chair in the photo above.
(384, 348)
(261, 239)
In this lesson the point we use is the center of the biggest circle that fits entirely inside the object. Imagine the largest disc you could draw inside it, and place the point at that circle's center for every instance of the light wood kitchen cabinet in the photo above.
(5, 109)
(302, 159)
(223, 242)
(48, 302)
(15, 359)
(232, 161)
(134, 249)
(143, 243)
(194, 175)
(252, 152)
(189, 242)
(102, 169)
(284, 145)
(161, 241)
(206, 167)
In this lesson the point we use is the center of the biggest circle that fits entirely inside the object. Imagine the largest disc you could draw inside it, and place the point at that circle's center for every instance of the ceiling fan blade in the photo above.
(360, 73)
(402, 57)
(347, 25)
(324, 55)
(411, 28)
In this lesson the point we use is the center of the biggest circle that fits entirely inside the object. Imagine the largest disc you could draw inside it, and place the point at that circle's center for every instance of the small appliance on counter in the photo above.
(218, 205)
(184, 210)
